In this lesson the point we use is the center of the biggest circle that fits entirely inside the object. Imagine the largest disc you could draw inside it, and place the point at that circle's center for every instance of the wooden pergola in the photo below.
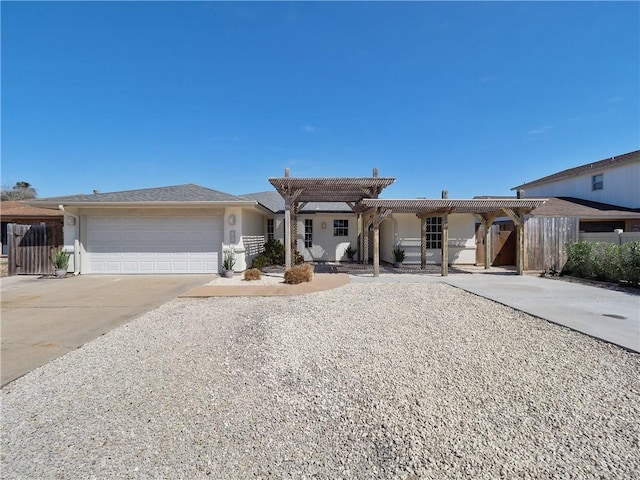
(374, 211)
(297, 192)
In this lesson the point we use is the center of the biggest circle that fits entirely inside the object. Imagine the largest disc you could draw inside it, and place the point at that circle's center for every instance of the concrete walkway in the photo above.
(610, 315)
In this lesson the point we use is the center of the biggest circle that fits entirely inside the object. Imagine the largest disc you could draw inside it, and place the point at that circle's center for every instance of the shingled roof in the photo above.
(577, 207)
(17, 209)
(616, 161)
(274, 202)
(175, 193)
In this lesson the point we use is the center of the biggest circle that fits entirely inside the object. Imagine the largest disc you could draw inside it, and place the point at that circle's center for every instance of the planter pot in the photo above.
(229, 273)
(397, 264)
(61, 272)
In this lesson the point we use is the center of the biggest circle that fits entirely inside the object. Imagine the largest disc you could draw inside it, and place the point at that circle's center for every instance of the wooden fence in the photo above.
(545, 241)
(30, 247)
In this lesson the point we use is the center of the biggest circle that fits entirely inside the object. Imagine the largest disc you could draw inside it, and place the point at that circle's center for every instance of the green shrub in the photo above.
(607, 265)
(260, 261)
(604, 261)
(630, 262)
(580, 261)
(274, 251)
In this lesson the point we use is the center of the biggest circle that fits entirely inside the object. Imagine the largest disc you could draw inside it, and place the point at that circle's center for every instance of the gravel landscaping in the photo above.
(393, 380)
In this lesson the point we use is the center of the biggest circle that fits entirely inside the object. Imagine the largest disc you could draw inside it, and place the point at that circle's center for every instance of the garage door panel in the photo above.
(153, 244)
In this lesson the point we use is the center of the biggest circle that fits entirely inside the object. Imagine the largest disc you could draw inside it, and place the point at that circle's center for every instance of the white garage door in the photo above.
(153, 244)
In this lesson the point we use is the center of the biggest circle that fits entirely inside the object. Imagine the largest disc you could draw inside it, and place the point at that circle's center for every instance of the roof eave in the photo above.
(155, 204)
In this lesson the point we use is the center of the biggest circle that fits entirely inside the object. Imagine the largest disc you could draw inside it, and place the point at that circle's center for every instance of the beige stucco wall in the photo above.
(326, 247)
(404, 230)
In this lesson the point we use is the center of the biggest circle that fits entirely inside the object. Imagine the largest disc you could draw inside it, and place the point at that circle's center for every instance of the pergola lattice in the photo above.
(361, 194)
(485, 210)
(297, 192)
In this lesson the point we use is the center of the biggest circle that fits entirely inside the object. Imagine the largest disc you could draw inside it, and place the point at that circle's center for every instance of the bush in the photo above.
(580, 259)
(630, 262)
(604, 261)
(274, 251)
(252, 274)
(259, 262)
(299, 274)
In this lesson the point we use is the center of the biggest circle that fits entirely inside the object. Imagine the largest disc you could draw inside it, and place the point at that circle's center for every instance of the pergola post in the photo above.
(376, 249)
(486, 227)
(445, 245)
(517, 215)
(359, 241)
(445, 239)
(486, 220)
(287, 232)
(377, 218)
(365, 239)
(423, 243)
(520, 252)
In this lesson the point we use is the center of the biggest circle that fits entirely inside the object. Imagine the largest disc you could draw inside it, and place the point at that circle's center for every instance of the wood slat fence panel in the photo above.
(546, 239)
(30, 247)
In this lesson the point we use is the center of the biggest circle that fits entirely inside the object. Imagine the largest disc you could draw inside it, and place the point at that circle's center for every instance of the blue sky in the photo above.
(472, 97)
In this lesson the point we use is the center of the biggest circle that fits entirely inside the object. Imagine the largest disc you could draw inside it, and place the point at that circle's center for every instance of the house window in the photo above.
(434, 232)
(270, 229)
(597, 182)
(308, 233)
(341, 228)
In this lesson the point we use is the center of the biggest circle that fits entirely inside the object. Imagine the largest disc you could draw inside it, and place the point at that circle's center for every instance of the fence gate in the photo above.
(30, 247)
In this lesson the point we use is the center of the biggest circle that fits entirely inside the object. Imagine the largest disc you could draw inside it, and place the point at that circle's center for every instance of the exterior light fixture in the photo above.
(232, 219)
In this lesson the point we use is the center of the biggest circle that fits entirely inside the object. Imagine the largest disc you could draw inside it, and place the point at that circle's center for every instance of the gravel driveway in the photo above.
(365, 381)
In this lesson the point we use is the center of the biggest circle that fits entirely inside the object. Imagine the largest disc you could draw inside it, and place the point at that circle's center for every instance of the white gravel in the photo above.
(365, 381)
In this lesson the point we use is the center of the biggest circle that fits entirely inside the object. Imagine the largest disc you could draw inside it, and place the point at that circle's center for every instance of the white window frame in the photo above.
(341, 227)
(434, 233)
(271, 229)
(597, 181)
(308, 232)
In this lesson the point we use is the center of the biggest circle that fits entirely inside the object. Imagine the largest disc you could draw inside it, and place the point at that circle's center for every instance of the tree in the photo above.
(20, 191)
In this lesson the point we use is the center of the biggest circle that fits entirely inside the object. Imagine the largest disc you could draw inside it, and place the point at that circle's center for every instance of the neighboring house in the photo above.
(604, 195)
(23, 214)
(592, 216)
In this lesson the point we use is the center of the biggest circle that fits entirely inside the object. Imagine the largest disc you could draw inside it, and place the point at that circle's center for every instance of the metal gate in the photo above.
(30, 247)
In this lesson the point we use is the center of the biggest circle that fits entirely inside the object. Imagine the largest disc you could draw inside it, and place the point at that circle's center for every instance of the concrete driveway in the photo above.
(43, 319)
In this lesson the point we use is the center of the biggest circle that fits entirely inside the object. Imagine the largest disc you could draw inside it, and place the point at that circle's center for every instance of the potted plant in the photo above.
(350, 252)
(228, 263)
(60, 261)
(398, 256)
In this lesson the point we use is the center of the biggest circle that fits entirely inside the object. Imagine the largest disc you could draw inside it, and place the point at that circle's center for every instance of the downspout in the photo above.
(76, 241)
